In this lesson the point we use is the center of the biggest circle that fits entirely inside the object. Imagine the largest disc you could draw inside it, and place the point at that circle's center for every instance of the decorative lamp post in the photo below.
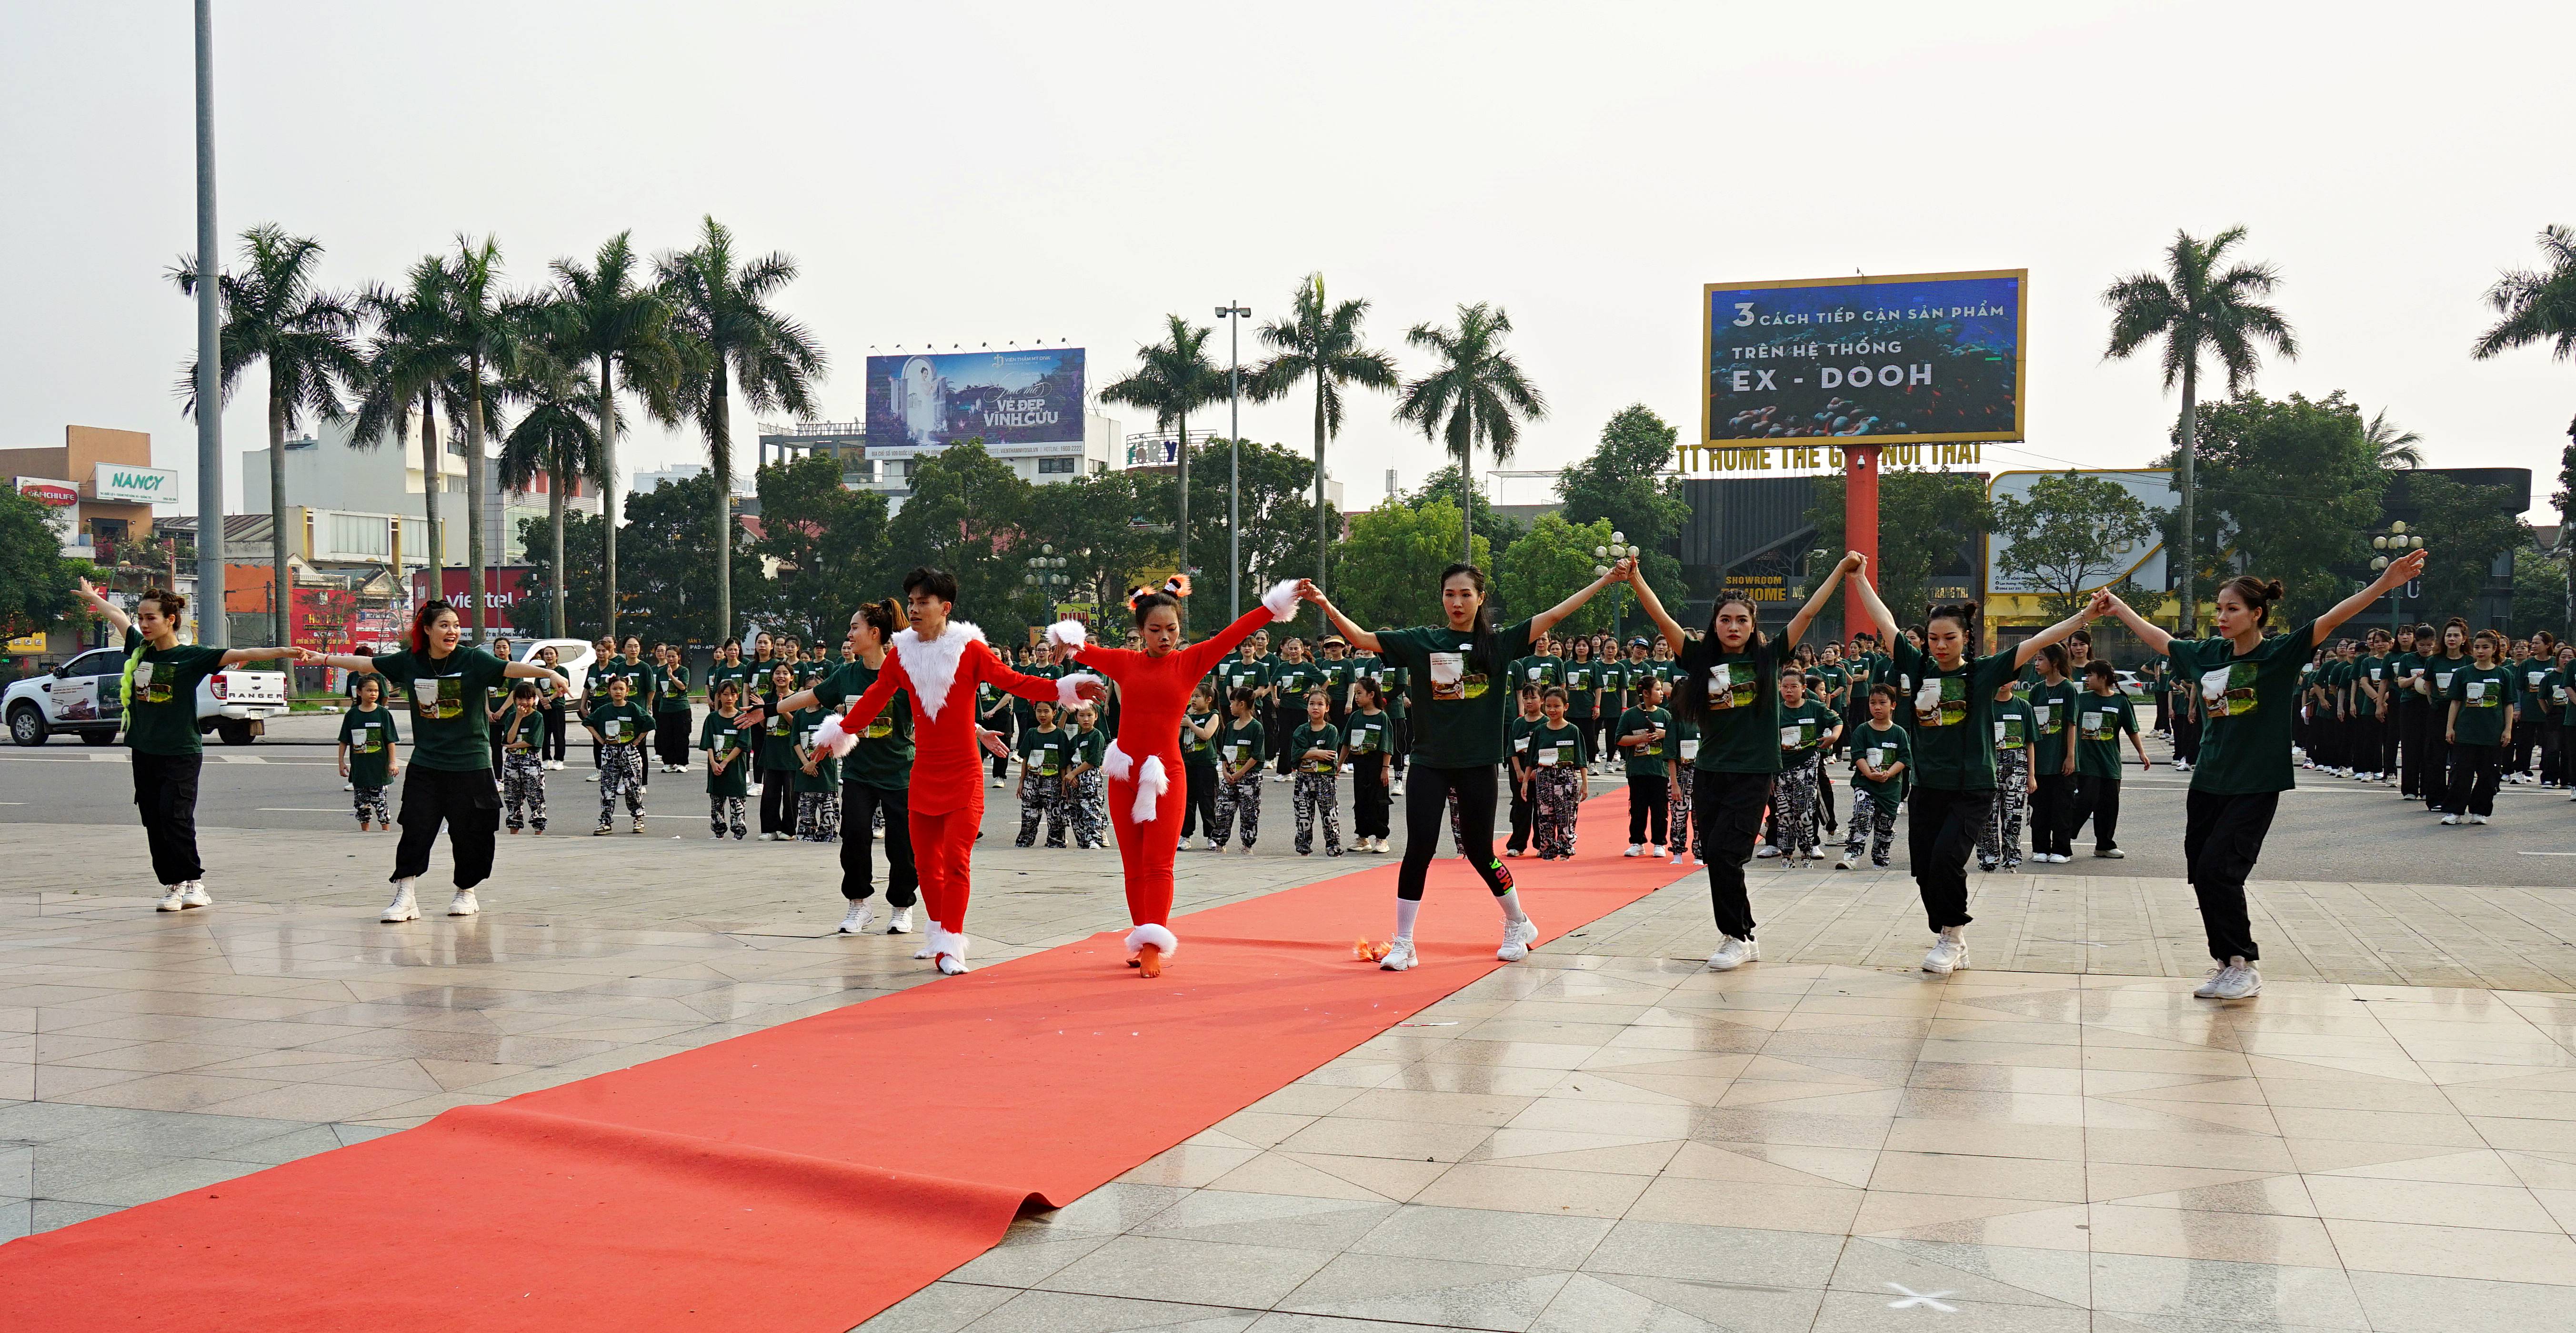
(1609, 555)
(2397, 541)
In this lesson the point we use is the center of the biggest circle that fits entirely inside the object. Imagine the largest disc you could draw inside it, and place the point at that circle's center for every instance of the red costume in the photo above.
(947, 789)
(1153, 696)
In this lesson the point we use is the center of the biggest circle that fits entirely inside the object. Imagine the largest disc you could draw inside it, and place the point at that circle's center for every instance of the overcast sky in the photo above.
(972, 174)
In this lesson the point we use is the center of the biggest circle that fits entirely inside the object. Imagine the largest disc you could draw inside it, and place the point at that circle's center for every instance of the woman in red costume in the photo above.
(1153, 689)
(938, 663)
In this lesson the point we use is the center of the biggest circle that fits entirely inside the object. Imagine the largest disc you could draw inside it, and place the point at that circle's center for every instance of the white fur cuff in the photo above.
(1069, 633)
(1161, 937)
(1065, 697)
(944, 942)
(1281, 600)
(833, 737)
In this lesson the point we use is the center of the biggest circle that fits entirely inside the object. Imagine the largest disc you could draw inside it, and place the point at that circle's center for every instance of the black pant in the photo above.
(2476, 770)
(1649, 808)
(1403, 743)
(556, 728)
(1006, 725)
(1283, 721)
(1727, 808)
(1825, 796)
(2097, 799)
(2221, 838)
(859, 805)
(1471, 826)
(2525, 729)
(1370, 803)
(2552, 750)
(2186, 737)
(671, 738)
(777, 801)
(2391, 728)
(2411, 778)
(2437, 760)
(1198, 802)
(165, 796)
(2053, 820)
(464, 800)
(1939, 833)
(1521, 811)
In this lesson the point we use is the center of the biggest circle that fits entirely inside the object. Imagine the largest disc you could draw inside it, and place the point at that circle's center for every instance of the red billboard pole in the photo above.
(1860, 525)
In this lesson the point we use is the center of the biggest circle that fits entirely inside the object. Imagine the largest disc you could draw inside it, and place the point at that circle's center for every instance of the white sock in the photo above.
(1511, 905)
(1405, 910)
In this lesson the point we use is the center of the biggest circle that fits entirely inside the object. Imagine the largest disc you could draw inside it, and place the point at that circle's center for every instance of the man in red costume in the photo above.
(938, 663)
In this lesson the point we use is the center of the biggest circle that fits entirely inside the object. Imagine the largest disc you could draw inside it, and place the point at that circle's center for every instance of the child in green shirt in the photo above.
(1881, 755)
(728, 746)
(619, 726)
(1239, 749)
(2101, 714)
(368, 759)
(522, 732)
(1046, 755)
(1558, 779)
(2016, 736)
(1086, 792)
(1317, 750)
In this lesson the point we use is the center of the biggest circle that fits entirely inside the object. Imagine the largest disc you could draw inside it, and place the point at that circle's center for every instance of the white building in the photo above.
(350, 504)
(887, 468)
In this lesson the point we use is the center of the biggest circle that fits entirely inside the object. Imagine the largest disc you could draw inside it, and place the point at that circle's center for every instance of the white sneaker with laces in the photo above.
(855, 921)
(1659, 849)
(1635, 849)
(1214, 846)
(901, 924)
(2239, 981)
(463, 904)
(997, 784)
(1399, 787)
(193, 894)
(1518, 936)
(175, 900)
(1732, 954)
(1765, 852)
(1399, 957)
(1949, 953)
(2208, 988)
(402, 908)
(590, 777)
(1849, 862)
(2450, 819)
(2477, 819)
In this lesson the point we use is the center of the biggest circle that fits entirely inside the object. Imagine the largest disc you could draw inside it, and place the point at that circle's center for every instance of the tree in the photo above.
(407, 368)
(2539, 592)
(2539, 306)
(276, 315)
(669, 579)
(1553, 560)
(1392, 556)
(580, 565)
(1625, 479)
(1927, 523)
(1172, 379)
(487, 341)
(553, 439)
(1477, 393)
(965, 516)
(1319, 341)
(620, 326)
(722, 311)
(828, 543)
(1277, 500)
(2199, 309)
(2468, 529)
(2071, 536)
(2293, 488)
(1104, 527)
(38, 584)
(2393, 445)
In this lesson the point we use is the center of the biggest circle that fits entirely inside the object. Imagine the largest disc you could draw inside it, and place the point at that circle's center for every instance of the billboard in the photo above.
(62, 509)
(1015, 397)
(2142, 560)
(135, 485)
(1917, 358)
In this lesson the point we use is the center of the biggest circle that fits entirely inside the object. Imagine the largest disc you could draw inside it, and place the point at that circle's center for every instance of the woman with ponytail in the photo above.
(874, 775)
(2247, 687)
(449, 779)
(160, 698)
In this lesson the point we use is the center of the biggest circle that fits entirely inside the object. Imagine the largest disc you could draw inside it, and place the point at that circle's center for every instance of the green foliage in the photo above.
(965, 514)
(2465, 529)
(2201, 306)
(2070, 537)
(1475, 394)
(531, 616)
(2288, 487)
(1550, 563)
(829, 545)
(1392, 560)
(1319, 344)
(2540, 592)
(1627, 480)
(1278, 523)
(1925, 520)
(1441, 487)
(1122, 519)
(38, 586)
(2536, 306)
(667, 574)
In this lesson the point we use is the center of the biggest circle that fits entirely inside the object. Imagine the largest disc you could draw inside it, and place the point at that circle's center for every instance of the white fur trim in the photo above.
(1068, 632)
(1281, 600)
(944, 942)
(1151, 780)
(1065, 697)
(932, 663)
(833, 737)
(1161, 937)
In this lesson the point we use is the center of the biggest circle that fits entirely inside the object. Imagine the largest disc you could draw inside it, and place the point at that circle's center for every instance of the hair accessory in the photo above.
(1177, 585)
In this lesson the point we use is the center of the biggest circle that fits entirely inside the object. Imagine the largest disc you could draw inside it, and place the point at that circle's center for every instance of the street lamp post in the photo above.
(1609, 555)
(211, 630)
(1233, 315)
(2398, 541)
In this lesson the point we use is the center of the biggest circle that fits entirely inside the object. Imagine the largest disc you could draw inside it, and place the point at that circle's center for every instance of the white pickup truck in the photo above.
(81, 697)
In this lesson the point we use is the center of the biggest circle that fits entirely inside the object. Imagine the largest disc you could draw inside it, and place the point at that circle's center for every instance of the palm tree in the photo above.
(276, 315)
(1172, 379)
(2200, 309)
(408, 368)
(1476, 395)
(617, 325)
(1321, 342)
(2539, 306)
(721, 309)
(554, 438)
(2392, 445)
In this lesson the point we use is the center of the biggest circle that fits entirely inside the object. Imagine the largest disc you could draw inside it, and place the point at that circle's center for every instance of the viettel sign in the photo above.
(138, 485)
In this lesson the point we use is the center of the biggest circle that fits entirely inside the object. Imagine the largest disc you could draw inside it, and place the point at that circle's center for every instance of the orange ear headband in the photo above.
(1177, 585)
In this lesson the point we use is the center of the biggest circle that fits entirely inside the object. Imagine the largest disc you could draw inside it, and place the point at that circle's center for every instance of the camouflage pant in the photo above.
(1793, 807)
(1041, 798)
(523, 789)
(724, 811)
(621, 773)
(1873, 821)
(1999, 842)
(1088, 804)
(370, 803)
(818, 813)
(1555, 793)
(1241, 797)
(1312, 796)
(1683, 834)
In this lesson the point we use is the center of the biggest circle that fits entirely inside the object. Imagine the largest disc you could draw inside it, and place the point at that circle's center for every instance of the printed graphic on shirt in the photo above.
(371, 738)
(2098, 725)
(1941, 701)
(2481, 694)
(147, 688)
(1451, 680)
(2229, 690)
(1731, 685)
(2008, 735)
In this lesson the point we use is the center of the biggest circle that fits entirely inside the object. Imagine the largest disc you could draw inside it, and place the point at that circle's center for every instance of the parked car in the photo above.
(82, 696)
(2129, 683)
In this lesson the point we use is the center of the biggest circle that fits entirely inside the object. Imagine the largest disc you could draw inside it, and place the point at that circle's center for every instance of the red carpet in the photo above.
(809, 1176)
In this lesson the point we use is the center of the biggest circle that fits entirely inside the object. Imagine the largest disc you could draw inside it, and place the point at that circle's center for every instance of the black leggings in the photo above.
(465, 801)
(1198, 803)
(777, 801)
(671, 738)
(1427, 797)
(859, 805)
(556, 728)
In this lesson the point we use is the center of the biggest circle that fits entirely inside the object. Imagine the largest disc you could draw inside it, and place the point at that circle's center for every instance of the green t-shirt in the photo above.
(738, 672)
(370, 734)
(1238, 674)
(2016, 725)
(2558, 689)
(1024, 709)
(1553, 746)
(1197, 752)
(520, 735)
(1883, 747)
(826, 776)
(723, 738)
(448, 729)
(620, 724)
(2532, 676)
(638, 676)
(2439, 672)
(1238, 743)
(1739, 725)
(1829, 678)
(2248, 704)
(1289, 682)
(1090, 747)
(1393, 683)
(1458, 705)
(2483, 694)
(2402, 668)
(1048, 751)
(1647, 759)
(1516, 731)
(670, 689)
(1370, 734)
(1308, 736)
(776, 747)
(1684, 739)
(1803, 727)
(2052, 709)
(2099, 720)
(1581, 679)
(1954, 711)
(883, 757)
(162, 716)
(1536, 670)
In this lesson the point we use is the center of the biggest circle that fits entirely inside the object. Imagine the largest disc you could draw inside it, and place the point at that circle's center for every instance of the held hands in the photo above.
(1090, 691)
(2404, 569)
(2102, 605)
(1308, 592)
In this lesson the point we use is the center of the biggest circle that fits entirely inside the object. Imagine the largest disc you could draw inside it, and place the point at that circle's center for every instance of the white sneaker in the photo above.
(1635, 849)
(1659, 850)
(2208, 988)
(1214, 846)
(193, 893)
(590, 777)
(2238, 981)
(2110, 853)
(1765, 852)
(1518, 936)
(2450, 819)
(1398, 788)
(402, 908)
(1677, 858)
(997, 784)
(855, 921)
(1849, 862)
(463, 904)
(175, 900)
(1949, 953)
(348, 786)
(1399, 957)
(2474, 819)
(1734, 953)
(901, 923)
(554, 765)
